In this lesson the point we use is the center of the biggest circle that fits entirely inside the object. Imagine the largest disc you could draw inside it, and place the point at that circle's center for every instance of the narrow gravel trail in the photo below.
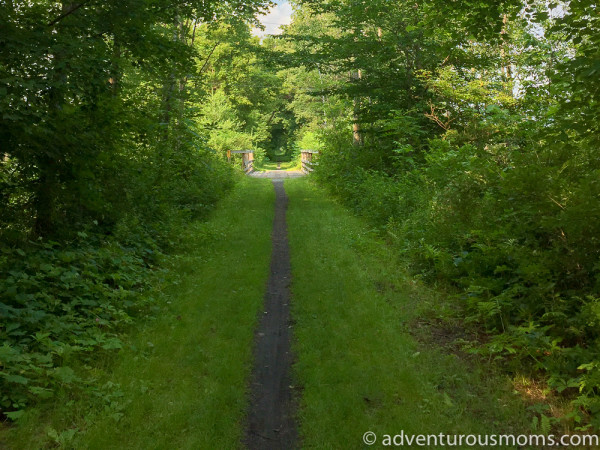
(271, 421)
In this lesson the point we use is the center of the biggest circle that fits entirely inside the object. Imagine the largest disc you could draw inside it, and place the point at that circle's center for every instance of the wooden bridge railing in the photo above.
(308, 160)
(247, 159)
(249, 166)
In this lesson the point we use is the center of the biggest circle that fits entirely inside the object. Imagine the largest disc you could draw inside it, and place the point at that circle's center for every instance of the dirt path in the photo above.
(271, 415)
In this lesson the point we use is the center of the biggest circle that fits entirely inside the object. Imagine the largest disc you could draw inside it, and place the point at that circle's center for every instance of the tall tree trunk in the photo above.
(172, 87)
(323, 100)
(45, 197)
(48, 183)
(357, 138)
(504, 51)
(116, 72)
(167, 105)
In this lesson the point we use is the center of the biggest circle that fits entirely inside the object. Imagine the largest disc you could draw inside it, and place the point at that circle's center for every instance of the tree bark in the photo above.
(48, 183)
(116, 73)
(506, 68)
(357, 139)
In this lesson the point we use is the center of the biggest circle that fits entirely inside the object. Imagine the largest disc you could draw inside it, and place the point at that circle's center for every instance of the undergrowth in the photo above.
(64, 301)
(513, 233)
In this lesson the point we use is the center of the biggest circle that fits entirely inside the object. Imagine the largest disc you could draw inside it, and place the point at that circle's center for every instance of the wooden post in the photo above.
(229, 156)
(250, 159)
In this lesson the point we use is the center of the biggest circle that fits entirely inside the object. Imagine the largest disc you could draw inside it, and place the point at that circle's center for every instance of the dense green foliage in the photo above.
(474, 148)
(64, 305)
(467, 132)
(106, 151)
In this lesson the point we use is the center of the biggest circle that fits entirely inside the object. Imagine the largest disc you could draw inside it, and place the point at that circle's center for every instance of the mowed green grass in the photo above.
(285, 165)
(358, 366)
(181, 382)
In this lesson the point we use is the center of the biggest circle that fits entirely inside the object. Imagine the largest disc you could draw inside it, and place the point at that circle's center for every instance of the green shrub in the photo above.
(64, 303)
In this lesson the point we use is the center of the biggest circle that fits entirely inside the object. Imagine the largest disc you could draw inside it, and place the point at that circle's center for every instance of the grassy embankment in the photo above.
(364, 363)
(180, 381)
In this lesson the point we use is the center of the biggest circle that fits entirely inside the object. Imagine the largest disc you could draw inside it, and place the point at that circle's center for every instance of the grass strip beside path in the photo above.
(199, 365)
(284, 166)
(181, 382)
(358, 364)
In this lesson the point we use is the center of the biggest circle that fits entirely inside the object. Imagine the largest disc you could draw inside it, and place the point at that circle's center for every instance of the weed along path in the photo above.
(271, 415)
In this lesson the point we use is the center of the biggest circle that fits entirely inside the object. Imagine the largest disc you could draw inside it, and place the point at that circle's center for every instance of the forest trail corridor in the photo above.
(269, 257)
(271, 416)
(298, 224)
